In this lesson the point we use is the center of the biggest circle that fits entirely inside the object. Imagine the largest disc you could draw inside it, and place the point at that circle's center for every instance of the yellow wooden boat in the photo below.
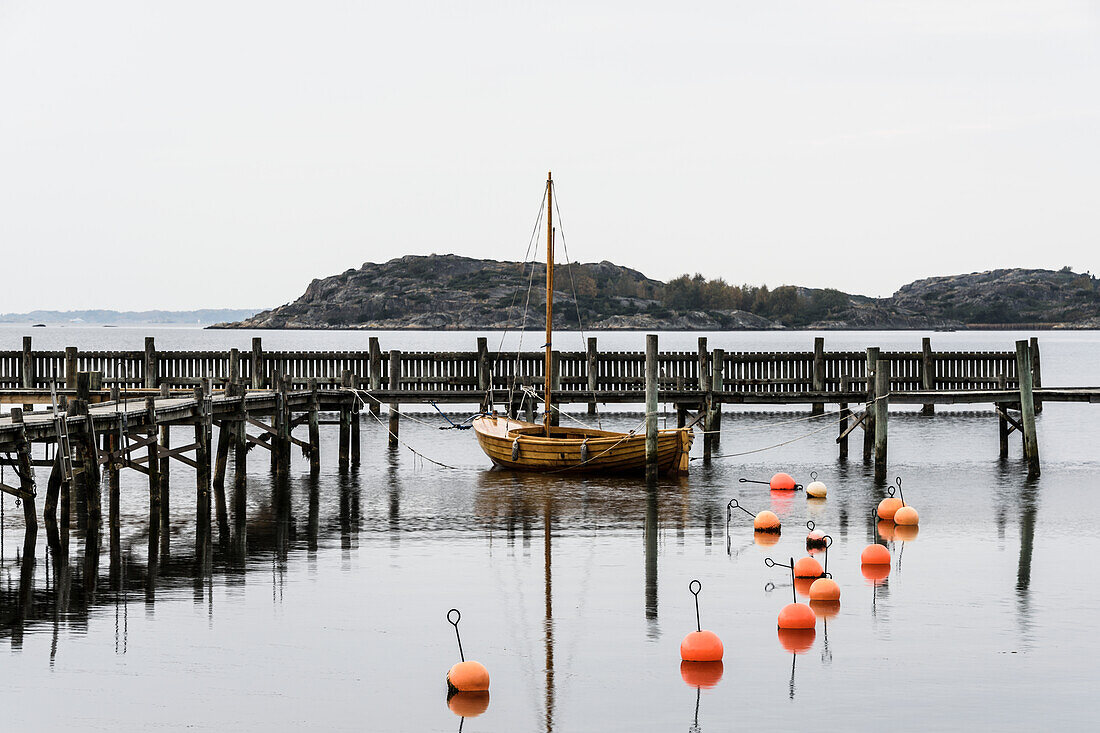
(525, 446)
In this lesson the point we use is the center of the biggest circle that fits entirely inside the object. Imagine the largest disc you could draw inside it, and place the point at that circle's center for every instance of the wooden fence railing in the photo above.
(476, 371)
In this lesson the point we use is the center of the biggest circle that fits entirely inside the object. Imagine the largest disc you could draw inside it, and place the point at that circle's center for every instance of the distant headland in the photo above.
(449, 292)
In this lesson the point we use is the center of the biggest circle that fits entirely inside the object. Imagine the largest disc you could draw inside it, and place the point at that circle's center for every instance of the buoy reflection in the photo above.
(701, 674)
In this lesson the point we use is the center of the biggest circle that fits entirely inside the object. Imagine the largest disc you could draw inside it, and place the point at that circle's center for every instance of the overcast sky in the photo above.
(185, 155)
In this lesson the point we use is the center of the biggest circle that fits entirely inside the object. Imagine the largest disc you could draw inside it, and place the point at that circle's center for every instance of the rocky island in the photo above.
(449, 292)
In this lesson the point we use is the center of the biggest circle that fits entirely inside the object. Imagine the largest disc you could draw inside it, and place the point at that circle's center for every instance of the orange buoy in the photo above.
(797, 641)
(700, 645)
(783, 482)
(468, 704)
(465, 676)
(888, 506)
(807, 567)
(766, 521)
(906, 515)
(874, 554)
(825, 609)
(468, 677)
(797, 616)
(825, 589)
(701, 674)
(906, 532)
(876, 572)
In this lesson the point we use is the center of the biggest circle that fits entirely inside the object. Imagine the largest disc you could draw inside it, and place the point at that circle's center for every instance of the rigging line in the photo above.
(415, 452)
(573, 285)
(526, 258)
(526, 307)
(866, 406)
(359, 391)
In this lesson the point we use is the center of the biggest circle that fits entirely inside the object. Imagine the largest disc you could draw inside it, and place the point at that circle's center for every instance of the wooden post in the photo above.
(257, 363)
(345, 420)
(114, 444)
(240, 452)
(1002, 423)
(154, 463)
(86, 466)
(681, 416)
(555, 388)
(314, 428)
(704, 364)
(927, 373)
(375, 373)
(882, 389)
(29, 379)
(395, 384)
(355, 422)
(70, 367)
(1027, 408)
(221, 460)
(283, 427)
(717, 372)
(165, 468)
(202, 458)
(592, 371)
(234, 375)
(151, 365)
(1036, 373)
(26, 476)
(845, 418)
(818, 408)
(651, 402)
(869, 420)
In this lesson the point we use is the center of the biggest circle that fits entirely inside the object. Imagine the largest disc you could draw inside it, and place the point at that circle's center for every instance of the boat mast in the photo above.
(549, 294)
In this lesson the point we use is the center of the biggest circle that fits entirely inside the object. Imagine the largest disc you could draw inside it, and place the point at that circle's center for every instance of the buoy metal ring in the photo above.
(457, 618)
(769, 562)
(695, 586)
(810, 525)
(813, 475)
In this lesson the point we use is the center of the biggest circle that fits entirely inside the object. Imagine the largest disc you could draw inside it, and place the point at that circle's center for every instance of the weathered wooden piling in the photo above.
(1036, 372)
(927, 373)
(395, 384)
(165, 469)
(818, 382)
(718, 385)
(152, 366)
(1002, 418)
(651, 402)
(845, 418)
(70, 367)
(592, 371)
(345, 424)
(375, 358)
(257, 365)
(27, 377)
(869, 410)
(356, 423)
(27, 490)
(314, 428)
(1027, 408)
(555, 388)
(202, 457)
(154, 463)
(881, 412)
(87, 450)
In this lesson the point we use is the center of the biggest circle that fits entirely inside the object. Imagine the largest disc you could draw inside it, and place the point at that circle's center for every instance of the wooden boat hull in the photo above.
(522, 446)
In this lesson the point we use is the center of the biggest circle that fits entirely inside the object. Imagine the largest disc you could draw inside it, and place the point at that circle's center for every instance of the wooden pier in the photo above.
(109, 411)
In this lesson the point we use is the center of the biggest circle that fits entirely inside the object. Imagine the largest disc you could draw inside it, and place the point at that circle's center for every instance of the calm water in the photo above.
(324, 604)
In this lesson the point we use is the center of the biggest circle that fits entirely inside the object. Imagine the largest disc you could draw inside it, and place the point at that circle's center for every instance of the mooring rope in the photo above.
(412, 450)
(867, 406)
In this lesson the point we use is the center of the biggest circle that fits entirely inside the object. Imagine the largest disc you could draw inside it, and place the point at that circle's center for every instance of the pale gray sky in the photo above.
(217, 154)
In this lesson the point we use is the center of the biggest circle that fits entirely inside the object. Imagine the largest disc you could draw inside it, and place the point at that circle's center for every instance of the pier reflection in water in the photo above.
(331, 587)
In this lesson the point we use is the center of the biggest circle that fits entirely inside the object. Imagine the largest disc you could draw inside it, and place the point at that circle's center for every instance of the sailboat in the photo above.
(525, 446)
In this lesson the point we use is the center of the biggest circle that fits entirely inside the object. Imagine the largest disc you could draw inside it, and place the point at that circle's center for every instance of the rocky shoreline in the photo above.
(448, 292)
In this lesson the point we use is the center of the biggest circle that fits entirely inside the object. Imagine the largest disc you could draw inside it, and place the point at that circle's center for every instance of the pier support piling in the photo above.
(345, 423)
(818, 382)
(881, 412)
(845, 418)
(592, 371)
(1027, 408)
(395, 384)
(651, 402)
(717, 374)
(869, 419)
(927, 373)
(375, 356)
(314, 429)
